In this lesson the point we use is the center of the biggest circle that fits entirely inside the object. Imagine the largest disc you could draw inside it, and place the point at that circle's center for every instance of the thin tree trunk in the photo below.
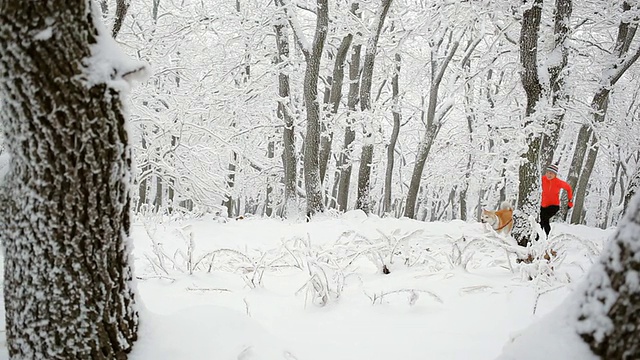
(231, 178)
(433, 127)
(349, 133)
(122, 6)
(397, 117)
(289, 161)
(366, 157)
(66, 201)
(268, 202)
(334, 98)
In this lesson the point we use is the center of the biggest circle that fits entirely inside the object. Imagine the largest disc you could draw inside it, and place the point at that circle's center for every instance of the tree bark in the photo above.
(268, 205)
(349, 134)
(557, 76)
(609, 311)
(334, 98)
(122, 6)
(366, 157)
(289, 161)
(66, 217)
(312, 182)
(397, 117)
(528, 173)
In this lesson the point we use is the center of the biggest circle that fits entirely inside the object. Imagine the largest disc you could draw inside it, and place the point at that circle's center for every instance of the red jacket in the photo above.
(551, 191)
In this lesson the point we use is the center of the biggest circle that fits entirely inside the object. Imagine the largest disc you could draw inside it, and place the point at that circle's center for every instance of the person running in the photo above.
(550, 203)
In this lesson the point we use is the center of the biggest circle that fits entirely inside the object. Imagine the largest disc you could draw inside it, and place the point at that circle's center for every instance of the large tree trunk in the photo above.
(388, 179)
(609, 308)
(289, 161)
(581, 167)
(345, 162)
(366, 157)
(529, 174)
(66, 207)
(311, 169)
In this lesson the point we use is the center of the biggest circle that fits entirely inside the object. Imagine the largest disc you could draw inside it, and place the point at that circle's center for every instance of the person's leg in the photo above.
(546, 213)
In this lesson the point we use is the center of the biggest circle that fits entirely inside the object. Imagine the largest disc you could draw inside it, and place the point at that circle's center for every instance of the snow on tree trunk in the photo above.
(609, 312)
(311, 168)
(557, 76)
(66, 207)
(288, 134)
(601, 318)
(528, 173)
(335, 95)
(394, 134)
(366, 157)
(349, 134)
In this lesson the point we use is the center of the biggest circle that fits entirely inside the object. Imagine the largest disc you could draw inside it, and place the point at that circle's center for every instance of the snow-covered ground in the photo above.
(272, 289)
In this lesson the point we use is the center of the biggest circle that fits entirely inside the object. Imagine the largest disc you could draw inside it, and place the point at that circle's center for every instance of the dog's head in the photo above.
(488, 217)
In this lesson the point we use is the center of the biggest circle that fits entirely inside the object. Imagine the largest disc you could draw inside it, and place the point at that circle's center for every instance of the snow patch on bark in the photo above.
(108, 64)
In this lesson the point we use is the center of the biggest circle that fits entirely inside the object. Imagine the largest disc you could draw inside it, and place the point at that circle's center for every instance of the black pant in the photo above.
(546, 213)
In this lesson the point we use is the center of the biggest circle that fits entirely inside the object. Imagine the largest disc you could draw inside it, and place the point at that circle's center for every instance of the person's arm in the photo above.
(567, 188)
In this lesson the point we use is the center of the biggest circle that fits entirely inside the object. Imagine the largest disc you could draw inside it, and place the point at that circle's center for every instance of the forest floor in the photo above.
(274, 289)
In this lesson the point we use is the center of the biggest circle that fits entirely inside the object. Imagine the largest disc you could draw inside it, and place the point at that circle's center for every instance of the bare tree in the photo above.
(66, 202)
(335, 95)
(312, 54)
(397, 117)
(288, 133)
(366, 157)
(344, 161)
(433, 119)
(581, 166)
(529, 173)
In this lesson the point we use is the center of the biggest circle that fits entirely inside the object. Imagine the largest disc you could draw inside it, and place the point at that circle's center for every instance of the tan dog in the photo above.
(500, 220)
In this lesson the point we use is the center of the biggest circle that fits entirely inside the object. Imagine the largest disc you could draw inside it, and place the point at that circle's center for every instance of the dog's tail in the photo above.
(505, 206)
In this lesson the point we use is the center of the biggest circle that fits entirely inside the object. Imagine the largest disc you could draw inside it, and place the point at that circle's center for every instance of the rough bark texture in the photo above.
(366, 157)
(122, 6)
(528, 173)
(288, 135)
(609, 314)
(349, 133)
(388, 178)
(311, 169)
(66, 210)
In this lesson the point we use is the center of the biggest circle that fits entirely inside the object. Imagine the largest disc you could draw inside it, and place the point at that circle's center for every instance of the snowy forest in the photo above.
(245, 169)
(417, 109)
